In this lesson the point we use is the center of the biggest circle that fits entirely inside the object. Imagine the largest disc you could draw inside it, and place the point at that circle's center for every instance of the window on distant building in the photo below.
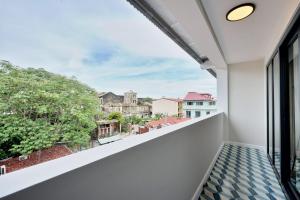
(199, 103)
(208, 112)
(212, 103)
(189, 103)
(188, 114)
(197, 114)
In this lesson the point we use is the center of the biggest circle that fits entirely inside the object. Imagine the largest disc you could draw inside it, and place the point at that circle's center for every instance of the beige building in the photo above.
(167, 106)
(127, 104)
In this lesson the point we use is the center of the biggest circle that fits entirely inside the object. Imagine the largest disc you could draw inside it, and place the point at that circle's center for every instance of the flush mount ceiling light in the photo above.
(240, 12)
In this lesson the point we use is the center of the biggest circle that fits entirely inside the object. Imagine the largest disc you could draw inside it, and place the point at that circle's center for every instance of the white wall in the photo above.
(169, 166)
(165, 106)
(222, 98)
(247, 103)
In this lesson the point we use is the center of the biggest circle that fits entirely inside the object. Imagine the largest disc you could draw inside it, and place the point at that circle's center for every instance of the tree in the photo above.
(132, 120)
(158, 116)
(39, 108)
(116, 115)
(101, 115)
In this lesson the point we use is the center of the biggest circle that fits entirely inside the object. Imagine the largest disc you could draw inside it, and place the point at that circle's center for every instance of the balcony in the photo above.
(170, 163)
(243, 151)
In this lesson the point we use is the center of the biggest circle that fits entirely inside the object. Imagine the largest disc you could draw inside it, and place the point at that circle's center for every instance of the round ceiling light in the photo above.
(240, 12)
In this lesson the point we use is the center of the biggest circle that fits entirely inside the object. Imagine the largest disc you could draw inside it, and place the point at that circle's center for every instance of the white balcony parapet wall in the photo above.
(168, 163)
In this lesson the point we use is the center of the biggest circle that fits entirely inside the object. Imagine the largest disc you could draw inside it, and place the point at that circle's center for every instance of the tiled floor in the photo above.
(295, 180)
(242, 173)
(277, 160)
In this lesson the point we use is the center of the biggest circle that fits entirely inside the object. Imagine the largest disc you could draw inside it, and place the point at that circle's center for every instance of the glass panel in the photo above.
(270, 109)
(294, 87)
(277, 153)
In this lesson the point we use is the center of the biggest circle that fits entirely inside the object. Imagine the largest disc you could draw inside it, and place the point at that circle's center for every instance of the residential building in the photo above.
(128, 104)
(110, 102)
(198, 104)
(167, 107)
(108, 128)
(246, 150)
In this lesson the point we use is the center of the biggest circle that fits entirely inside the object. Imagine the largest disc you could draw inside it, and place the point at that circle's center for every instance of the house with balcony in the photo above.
(248, 149)
(198, 104)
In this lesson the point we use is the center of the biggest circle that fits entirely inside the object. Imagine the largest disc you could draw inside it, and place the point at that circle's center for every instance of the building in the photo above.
(110, 102)
(248, 149)
(107, 128)
(198, 104)
(130, 98)
(128, 104)
(167, 107)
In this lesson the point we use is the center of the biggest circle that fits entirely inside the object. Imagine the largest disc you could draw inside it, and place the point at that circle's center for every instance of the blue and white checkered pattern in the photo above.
(242, 173)
(277, 160)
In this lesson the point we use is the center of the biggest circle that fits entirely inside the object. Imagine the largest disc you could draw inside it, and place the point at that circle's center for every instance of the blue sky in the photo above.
(108, 45)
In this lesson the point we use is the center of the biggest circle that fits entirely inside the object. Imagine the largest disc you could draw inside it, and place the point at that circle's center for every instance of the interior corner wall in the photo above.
(247, 103)
(222, 98)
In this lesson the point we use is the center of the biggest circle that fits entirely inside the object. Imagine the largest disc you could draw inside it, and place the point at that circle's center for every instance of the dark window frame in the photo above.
(188, 115)
(199, 103)
(291, 33)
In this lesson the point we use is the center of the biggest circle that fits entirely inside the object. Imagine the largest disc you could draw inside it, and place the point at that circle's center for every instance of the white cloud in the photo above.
(59, 34)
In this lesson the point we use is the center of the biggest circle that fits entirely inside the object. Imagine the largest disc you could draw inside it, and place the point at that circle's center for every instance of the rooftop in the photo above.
(166, 121)
(171, 99)
(13, 164)
(195, 96)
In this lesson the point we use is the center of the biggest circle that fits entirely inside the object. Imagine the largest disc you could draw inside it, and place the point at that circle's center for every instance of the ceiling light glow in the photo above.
(240, 12)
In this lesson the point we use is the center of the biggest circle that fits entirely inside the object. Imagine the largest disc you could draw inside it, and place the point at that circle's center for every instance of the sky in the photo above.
(108, 45)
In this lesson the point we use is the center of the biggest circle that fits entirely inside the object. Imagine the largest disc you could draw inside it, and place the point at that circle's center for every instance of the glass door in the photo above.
(273, 109)
(276, 113)
(294, 102)
(270, 110)
(283, 110)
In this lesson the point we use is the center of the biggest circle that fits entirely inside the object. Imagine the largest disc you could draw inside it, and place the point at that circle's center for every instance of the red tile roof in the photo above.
(51, 153)
(195, 96)
(166, 121)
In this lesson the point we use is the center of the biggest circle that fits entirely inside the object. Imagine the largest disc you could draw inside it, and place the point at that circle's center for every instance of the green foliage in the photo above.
(145, 100)
(116, 115)
(158, 116)
(101, 115)
(39, 108)
(132, 120)
(135, 119)
(148, 99)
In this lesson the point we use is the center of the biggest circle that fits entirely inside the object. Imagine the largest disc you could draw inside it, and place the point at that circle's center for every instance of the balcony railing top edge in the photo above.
(24, 178)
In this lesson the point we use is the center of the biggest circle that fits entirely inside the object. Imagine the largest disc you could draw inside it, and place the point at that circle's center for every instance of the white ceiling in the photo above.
(226, 42)
(189, 22)
(254, 37)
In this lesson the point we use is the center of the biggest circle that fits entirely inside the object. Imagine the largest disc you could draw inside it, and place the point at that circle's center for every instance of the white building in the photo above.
(198, 104)
(167, 106)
